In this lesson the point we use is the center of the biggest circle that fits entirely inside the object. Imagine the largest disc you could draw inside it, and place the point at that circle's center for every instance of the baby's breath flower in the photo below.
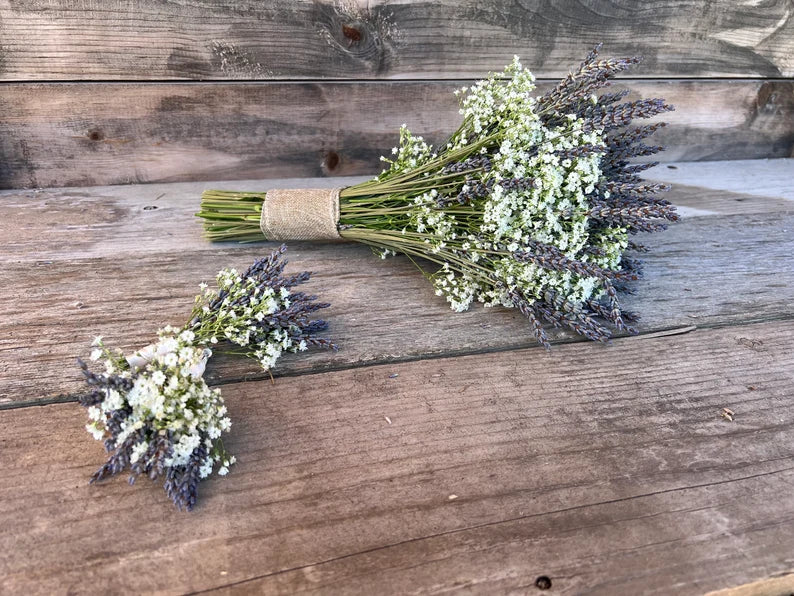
(153, 409)
(524, 212)
(259, 311)
(156, 417)
(528, 205)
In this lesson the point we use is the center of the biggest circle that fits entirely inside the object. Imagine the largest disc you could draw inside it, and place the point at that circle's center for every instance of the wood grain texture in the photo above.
(775, 586)
(769, 178)
(54, 135)
(608, 470)
(434, 452)
(295, 39)
(76, 263)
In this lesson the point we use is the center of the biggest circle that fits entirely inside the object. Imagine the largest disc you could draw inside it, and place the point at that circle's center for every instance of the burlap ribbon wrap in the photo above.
(301, 214)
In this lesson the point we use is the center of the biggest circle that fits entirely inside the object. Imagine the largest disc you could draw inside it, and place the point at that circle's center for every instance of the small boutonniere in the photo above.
(153, 409)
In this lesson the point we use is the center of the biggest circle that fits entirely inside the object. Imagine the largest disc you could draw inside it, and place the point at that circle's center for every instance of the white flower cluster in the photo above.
(154, 411)
(246, 303)
(534, 191)
(167, 397)
(413, 151)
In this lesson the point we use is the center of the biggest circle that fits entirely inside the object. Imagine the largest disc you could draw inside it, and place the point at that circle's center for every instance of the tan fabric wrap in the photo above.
(301, 214)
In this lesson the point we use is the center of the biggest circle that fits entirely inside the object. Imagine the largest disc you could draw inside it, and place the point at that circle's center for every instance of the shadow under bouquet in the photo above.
(530, 204)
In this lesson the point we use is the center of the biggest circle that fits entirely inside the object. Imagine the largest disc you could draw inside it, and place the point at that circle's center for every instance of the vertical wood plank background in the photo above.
(115, 92)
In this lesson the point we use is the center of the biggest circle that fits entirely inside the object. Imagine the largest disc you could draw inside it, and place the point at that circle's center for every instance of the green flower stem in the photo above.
(528, 204)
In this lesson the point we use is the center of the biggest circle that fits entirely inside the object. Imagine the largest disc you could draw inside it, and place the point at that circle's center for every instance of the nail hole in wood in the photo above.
(672, 167)
(331, 160)
(351, 33)
(543, 582)
(150, 207)
(96, 135)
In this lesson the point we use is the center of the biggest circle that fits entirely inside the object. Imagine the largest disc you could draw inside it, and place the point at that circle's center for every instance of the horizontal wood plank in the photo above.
(123, 261)
(294, 39)
(769, 178)
(54, 135)
(608, 470)
(774, 586)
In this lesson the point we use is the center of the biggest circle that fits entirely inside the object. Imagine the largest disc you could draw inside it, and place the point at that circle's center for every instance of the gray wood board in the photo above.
(298, 39)
(761, 178)
(780, 585)
(55, 135)
(609, 470)
(99, 261)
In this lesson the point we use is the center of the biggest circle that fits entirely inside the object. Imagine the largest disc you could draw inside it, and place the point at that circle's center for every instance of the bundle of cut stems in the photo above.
(529, 204)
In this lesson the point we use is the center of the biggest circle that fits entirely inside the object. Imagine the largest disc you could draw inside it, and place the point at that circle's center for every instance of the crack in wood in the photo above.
(449, 354)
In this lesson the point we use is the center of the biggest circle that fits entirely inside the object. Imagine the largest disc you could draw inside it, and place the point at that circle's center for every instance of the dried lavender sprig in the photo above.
(468, 204)
(258, 313)
(100, 384)
(632, 213)
(478, 162)
(154, 411)
(530, 312)
(606, 99)
(552, 258)
(576, 87)
(181, 482)
(618, 116)
(159, 415)
(581, 151)
(575, 316)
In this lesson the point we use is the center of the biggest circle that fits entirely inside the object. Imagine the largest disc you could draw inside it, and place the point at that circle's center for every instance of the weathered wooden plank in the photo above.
(775, 586)
(759, 178)
(291, 39)
(94, 134)
(83, 262)
(609, 471)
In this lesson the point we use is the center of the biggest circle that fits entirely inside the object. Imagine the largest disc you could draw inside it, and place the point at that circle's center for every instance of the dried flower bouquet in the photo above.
(528, 205)
(153, 409)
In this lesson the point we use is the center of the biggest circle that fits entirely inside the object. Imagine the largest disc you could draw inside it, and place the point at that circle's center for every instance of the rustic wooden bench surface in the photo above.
(435, 451)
